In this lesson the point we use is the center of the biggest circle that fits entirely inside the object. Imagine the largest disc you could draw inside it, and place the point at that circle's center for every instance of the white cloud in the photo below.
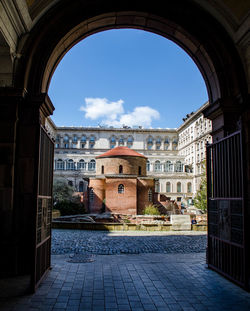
(97, 108)
(112, 113)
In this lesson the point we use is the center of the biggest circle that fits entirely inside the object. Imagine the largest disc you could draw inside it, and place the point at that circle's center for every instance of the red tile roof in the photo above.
(120, 151)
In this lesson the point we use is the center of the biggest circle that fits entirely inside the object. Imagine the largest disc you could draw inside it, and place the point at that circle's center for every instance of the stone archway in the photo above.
(65, 24)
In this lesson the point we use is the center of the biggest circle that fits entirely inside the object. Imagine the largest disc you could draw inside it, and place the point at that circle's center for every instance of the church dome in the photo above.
(120, 151)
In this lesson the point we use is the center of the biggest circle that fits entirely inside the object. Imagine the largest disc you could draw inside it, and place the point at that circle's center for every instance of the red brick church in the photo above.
(121, 184)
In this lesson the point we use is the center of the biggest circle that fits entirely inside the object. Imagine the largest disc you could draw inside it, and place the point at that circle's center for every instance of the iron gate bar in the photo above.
(226, 252)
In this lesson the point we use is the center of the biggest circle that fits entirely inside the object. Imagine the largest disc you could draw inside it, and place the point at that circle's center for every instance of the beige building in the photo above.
(174, 156)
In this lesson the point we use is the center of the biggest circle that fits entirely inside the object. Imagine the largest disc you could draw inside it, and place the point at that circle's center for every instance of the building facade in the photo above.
(174, 156)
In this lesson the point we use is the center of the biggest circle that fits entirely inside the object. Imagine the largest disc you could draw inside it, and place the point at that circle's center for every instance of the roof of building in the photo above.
(121, 151)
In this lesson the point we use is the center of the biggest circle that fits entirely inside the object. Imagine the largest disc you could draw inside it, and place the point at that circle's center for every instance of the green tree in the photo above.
(200, 200)
(62, 191)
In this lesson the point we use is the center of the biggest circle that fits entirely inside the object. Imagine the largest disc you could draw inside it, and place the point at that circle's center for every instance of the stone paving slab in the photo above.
(161, 282)
(129, 242)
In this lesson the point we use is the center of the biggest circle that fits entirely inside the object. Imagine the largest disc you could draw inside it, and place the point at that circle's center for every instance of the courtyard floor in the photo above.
(138, 271)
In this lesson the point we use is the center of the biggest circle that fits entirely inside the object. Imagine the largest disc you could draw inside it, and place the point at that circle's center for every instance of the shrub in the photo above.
(151, 209)
(70, 208)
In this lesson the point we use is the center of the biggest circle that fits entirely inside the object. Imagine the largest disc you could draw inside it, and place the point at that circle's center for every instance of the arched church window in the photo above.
(121, 188)
(120, 169)
(139, 170)
(102, 169)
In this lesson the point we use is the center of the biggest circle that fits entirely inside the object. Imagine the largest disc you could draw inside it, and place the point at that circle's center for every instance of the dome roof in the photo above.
(121, 152)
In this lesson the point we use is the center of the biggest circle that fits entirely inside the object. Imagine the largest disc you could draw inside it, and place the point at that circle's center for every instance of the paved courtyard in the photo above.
(169, 279)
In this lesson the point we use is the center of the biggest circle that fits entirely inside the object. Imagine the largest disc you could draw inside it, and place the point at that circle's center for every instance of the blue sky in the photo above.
(126, 77)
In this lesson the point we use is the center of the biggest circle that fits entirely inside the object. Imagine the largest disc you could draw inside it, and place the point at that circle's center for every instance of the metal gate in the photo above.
(44, 208)
(225, 189)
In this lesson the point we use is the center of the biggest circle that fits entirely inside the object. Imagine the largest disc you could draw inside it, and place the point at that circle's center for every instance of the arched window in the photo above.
(168, 166)
(81, 165)
(121, 188)
(166, 144)
(168, 187)
(91, 165)
(158, 144)
(130, 142)
(81, 186)
(91, 141)
(175, 143)
(112, 142)
(148, 166)
(150, 143)
(70, 165)
(102, 169)
(189, 187)
(120, 169)
(121, 141)
(150, 195)
(75, 139)
(91, 195)
(59, 164)
(157, 166)
(66, 138)
(178, 187)
(83, 141)
(178, 166)
(139, 170)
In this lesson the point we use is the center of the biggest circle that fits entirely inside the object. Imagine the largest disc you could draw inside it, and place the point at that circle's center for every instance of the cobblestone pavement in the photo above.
(138, 282)
(128, 242)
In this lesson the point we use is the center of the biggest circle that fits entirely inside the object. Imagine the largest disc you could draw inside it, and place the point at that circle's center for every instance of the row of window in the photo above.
(114, 141)
(168, 166)
(179, 187)
(72, 166)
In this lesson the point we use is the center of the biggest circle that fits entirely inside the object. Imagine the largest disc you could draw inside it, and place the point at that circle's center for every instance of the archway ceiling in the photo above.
(233, 11)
